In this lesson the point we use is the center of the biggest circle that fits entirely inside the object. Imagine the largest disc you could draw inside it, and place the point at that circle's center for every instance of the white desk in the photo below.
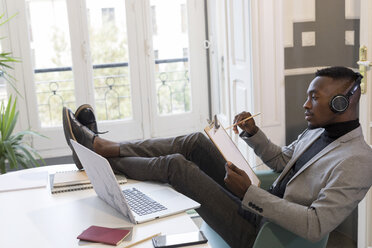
(36, 218)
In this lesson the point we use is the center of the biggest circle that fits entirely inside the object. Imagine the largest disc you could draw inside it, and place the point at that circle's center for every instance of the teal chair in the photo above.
(270, 235)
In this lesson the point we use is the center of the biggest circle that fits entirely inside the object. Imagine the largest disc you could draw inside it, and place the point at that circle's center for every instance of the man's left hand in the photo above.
(236, 180)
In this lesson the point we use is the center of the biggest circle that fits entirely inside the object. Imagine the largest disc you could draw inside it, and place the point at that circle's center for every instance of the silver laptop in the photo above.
(139, 202)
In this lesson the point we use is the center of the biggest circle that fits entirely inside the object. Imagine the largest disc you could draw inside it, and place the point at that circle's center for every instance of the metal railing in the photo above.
(112, 90)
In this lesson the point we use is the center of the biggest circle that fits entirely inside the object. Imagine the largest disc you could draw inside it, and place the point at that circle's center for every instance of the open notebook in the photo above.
(230, 151)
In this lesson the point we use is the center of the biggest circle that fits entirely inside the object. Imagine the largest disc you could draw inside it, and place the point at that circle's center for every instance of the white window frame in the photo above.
(146, 123)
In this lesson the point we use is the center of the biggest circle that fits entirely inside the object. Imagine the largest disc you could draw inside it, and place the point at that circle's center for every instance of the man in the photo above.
(324, 173)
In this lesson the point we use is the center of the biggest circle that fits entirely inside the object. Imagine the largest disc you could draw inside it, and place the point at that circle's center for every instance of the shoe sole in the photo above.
(74, 155)
(69, 126)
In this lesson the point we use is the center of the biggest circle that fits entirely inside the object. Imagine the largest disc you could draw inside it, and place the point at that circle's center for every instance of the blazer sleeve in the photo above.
(274, 156)
(345, 188)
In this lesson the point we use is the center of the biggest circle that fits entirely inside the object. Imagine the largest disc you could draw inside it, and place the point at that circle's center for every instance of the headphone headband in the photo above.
(355, 86)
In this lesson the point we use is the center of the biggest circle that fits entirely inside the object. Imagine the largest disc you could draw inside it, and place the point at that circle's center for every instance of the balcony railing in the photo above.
(113, 98)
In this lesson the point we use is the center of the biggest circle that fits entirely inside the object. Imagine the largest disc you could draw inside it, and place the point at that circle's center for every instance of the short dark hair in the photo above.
(338, 72)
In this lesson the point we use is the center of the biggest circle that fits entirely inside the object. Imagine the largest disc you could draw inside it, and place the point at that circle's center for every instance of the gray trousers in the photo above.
(194, 167)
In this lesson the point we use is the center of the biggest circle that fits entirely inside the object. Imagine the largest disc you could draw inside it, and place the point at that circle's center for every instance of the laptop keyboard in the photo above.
(140, 203)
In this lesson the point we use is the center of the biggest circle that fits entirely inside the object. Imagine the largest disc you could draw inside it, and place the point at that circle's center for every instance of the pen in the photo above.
(246, 119)
(142, 240)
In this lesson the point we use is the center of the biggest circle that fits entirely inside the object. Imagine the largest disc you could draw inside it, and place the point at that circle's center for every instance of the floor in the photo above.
(336, 239)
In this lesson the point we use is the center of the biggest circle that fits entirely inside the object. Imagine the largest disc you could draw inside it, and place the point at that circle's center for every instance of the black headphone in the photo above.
(340, 102)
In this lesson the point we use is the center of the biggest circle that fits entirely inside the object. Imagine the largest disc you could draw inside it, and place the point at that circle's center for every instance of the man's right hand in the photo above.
(248, 126)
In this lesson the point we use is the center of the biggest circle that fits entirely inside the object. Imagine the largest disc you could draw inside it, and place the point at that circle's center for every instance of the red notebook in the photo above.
(106, 235)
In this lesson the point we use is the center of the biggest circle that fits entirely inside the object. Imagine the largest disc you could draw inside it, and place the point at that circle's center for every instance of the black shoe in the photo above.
(85, 115)
(73, 129)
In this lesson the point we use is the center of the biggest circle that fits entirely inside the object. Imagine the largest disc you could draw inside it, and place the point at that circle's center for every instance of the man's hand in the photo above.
(236, 180)
(249, 126)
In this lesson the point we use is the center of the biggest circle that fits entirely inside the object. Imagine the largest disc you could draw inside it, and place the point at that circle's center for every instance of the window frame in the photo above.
(145, 123)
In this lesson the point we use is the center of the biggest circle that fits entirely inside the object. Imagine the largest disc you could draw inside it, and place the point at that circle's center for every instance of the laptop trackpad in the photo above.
(163, 194)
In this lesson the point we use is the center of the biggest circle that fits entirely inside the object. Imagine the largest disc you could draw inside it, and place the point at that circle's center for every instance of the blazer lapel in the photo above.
(328, 148)
(301, 149)
(352, 134)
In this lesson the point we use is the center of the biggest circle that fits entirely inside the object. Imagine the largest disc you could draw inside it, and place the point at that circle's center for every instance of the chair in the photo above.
(214, 240)
(270, 235)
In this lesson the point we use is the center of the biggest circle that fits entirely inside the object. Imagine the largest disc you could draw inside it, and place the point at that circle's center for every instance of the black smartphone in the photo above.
(177, 240)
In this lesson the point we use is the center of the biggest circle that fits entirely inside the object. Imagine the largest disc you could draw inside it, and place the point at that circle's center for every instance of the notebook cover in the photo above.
(70, 178)
(121, 179)
(106, 235)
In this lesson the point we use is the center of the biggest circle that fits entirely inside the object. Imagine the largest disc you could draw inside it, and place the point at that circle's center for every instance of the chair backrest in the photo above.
(272, 235)
(214, 240)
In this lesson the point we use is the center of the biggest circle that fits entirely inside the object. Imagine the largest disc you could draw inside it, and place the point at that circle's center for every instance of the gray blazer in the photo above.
(323, 192)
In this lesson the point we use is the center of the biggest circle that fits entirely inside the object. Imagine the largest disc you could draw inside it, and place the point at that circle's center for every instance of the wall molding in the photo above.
(302, 71)
(308, 70)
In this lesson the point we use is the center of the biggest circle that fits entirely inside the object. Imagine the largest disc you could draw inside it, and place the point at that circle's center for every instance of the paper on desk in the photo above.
(26, 180)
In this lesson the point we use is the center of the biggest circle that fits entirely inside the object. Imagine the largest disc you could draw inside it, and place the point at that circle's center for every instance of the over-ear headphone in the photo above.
(339, 103)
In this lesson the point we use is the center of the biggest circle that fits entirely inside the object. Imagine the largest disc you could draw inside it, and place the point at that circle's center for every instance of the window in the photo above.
(129, 64)
(3, 92)
(153, 18)
(171, 75)
(110, 58)
(183, 18)
(108, 15)
(185, 52)
(51, 57)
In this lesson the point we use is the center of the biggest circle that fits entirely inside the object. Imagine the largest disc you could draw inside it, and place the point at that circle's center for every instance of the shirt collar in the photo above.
(339, 129)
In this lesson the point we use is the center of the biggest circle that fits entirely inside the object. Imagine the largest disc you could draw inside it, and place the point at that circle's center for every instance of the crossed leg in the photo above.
(194, 167)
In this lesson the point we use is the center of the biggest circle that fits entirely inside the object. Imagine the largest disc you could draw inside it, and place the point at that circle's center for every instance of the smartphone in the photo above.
(177, 240)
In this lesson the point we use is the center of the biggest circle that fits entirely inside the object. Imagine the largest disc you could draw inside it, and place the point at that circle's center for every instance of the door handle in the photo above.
(364, 65)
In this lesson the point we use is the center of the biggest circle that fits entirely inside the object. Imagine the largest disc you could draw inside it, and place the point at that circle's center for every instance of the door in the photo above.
(365, 64)
(239, 63)
(230, 34)
(247, 65)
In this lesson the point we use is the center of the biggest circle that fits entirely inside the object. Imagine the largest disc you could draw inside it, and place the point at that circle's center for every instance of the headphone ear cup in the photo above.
(339, 103)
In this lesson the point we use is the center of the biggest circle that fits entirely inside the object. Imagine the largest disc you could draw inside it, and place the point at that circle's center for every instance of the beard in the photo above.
(310, 126)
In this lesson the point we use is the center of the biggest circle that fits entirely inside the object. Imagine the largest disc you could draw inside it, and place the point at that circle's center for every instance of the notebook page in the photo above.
(230, 151)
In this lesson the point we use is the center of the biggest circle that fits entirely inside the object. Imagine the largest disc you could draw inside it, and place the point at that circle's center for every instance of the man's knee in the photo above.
(200, 135)
(178, 163)
(199, 138)
(176, 159)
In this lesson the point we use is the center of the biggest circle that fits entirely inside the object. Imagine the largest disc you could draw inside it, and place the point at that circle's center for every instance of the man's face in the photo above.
(320, 92)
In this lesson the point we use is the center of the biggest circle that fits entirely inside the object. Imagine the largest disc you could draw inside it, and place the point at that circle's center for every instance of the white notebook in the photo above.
(68, 178)
(65, 181)
(12, 181)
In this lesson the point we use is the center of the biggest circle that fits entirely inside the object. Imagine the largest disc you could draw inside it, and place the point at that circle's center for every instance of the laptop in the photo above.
(156, 199)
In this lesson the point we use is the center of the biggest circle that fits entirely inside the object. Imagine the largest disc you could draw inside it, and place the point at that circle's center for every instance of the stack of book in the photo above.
(65, 181)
